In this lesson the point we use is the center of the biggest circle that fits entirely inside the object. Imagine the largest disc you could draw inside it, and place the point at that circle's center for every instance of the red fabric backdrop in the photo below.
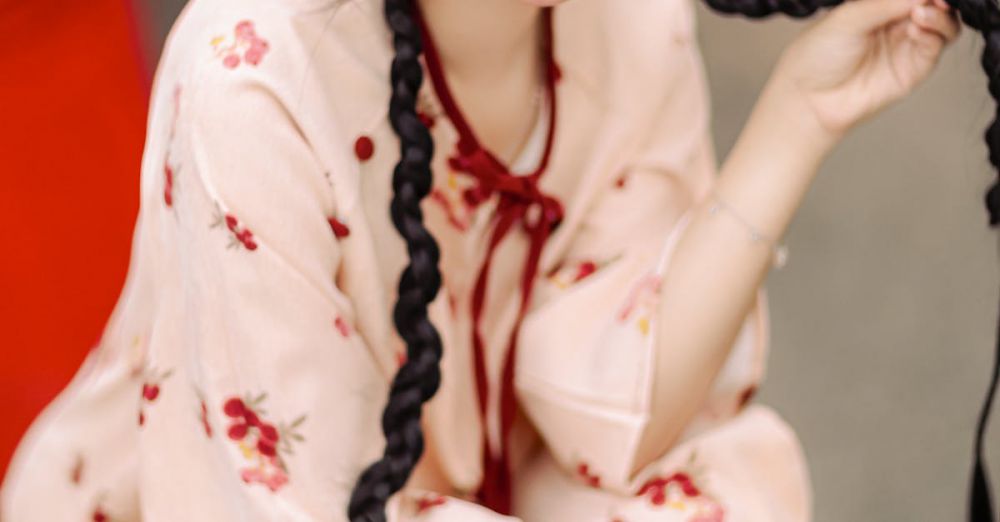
(73, 95)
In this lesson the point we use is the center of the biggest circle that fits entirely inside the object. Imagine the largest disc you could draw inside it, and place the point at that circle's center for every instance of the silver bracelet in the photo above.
(780, 251)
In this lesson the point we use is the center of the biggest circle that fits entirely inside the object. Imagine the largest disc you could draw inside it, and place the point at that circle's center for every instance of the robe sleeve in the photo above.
(588, 344)
(271, 335)
(250, 393)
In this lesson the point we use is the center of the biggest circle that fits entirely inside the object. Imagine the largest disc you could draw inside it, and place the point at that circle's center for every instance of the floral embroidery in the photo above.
(260, 442)
(427, 111)
(151, 390)
(589, 477)
(342, 326)
(240, 235)
(339, 228)
(641, 301)
(246, 41)
(565, 274)
(76, 472)
(678, 491)
(429, 501)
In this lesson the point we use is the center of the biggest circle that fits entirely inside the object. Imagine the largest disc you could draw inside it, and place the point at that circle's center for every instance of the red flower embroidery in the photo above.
(656, 487)
(426, 110)
(239, 234)
(151, 390)
(339, 228)
(591, 479)
(678, 491)
(246, 41)
(260, 442)
(641, 300)
(565, 274)
(342, 326)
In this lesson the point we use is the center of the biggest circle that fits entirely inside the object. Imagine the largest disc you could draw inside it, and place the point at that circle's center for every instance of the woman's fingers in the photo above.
(941, 22)
(868, 15)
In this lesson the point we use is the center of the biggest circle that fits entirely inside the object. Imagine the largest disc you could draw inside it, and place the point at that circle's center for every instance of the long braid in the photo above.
(984, 17)
(418, 379)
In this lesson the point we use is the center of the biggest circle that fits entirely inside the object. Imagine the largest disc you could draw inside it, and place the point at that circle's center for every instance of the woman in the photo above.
(573, 208)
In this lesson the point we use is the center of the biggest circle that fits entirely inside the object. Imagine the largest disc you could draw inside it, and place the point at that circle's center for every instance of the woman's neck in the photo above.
(489, 50)
(482, 38)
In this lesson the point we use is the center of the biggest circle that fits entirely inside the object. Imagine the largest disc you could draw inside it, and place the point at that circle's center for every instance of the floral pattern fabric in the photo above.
(242, 374)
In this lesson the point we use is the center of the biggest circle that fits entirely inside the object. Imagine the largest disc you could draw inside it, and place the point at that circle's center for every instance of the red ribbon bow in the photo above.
(519, 197)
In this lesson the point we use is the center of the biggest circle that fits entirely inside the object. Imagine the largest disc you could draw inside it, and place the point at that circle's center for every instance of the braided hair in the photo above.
(419, 377)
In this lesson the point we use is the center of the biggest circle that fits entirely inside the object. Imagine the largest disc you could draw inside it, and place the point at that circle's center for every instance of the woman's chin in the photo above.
(543, 3)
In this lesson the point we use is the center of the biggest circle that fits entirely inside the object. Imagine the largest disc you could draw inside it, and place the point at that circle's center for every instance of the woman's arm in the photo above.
(840, 72)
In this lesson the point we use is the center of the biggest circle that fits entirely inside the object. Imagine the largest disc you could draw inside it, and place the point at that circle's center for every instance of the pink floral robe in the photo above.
(242, 374)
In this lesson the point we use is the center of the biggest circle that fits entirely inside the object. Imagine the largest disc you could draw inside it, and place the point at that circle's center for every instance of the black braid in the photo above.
(418, 379)
(984, 17)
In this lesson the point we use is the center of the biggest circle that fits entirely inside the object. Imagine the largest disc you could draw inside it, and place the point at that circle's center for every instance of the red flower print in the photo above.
(585, 269)
(429, 501)
(565, 274)
(239, 234)
(656, 487)
(151, 390)
(641, 301)
(679, 492)
(426, 110)
(246, 41)
(426, 119)
(339, 228)
(342, 326)
(591, 479)
(261, 442)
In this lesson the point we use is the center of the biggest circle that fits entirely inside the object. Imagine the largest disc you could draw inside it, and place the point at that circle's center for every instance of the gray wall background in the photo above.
(883, 321)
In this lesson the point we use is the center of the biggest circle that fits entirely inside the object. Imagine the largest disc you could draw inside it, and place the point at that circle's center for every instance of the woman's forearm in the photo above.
(716, 270)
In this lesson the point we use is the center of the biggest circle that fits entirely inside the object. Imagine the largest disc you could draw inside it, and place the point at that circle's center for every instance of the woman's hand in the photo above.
(863, 55)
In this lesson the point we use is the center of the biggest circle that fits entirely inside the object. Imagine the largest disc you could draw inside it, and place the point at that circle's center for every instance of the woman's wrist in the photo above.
(787, 109)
